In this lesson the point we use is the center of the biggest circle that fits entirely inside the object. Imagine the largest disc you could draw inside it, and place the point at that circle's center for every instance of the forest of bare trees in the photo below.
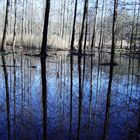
(69, 69)
(71, 24)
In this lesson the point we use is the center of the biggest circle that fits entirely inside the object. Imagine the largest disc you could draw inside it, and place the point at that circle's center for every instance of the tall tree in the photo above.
(137, 28)
(111, 70)
(31, 18)
(101, 30)
(82, 28)
(122, 30)
(86, 31)
(45, 29)
(22, 21)
(73, 28)
(63, 18)
(114, 31)
(15, 22)
(133, 27)
(3, 45)
(94, 26)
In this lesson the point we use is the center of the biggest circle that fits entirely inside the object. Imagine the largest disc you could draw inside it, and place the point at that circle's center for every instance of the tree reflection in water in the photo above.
(44, 96)
(68, 98)
(7, 98)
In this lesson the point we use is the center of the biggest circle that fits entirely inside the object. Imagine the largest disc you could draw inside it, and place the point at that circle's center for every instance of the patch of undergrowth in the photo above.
(3, 53)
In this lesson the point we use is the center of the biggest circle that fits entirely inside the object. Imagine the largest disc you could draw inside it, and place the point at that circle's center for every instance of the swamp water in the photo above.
(72, 103)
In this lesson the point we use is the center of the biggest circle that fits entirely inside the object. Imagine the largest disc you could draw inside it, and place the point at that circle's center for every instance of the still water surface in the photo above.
(66, 97)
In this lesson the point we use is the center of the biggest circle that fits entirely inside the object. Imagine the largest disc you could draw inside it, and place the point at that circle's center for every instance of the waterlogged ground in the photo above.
(73, 102)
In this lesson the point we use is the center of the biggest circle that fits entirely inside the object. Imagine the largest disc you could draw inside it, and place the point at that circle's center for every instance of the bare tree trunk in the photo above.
(22, 23)
(3, 45)
(101, 30)
(82, 28)
(94, 26)
(86, 28)
(111, 71)
(122, 31)
(133, 27)
(67, 23)
(31, 18)
(25, 16)
(114, 31)
(15, 22)
(137, 27)
(63, 20)
(60, 19)
(73, 29)
(10, 16)
(45, 30)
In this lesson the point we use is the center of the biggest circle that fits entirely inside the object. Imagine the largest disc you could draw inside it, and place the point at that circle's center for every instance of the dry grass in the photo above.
(57, 43)
(34, 41)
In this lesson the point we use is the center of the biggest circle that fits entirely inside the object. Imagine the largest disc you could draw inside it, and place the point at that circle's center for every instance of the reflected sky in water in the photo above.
(74, 104)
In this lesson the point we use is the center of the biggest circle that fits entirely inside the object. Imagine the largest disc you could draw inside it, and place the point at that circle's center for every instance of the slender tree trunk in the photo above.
(101, 30)
(26, 16)
(73, 28)
(63, 20)
(133, 27)
(114, 31)
(94, 26)
(67, 23)
(3, 45)
(86, 30)
(121, 39)
(31, 30)
(22, 23)
(122, 31)
(82, 28)
(15, 22)
(45, 30)
(111, 71)
(10, 16)
(29, 17)
(137, 27)
(60, 19)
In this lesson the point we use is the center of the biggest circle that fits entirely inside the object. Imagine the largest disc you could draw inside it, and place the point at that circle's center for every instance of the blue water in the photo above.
(83, 117)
